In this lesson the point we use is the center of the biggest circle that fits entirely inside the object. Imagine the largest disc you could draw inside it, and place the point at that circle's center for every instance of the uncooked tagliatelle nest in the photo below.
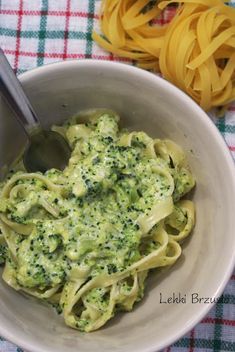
(195, 51)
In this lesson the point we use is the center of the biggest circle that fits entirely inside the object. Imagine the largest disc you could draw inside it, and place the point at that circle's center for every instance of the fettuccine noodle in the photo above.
(195, 51)
(86, 238)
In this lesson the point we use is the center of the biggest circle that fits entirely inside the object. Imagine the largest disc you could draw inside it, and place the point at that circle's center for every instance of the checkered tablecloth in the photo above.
(38, 32)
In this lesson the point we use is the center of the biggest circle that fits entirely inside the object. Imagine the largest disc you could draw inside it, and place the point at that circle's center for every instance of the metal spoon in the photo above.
(46, 149)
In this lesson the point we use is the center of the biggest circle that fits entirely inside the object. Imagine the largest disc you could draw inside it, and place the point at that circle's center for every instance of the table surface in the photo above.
(38, 32)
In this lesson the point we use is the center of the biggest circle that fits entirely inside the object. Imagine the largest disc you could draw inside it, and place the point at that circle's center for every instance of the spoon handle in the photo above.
(16, 97)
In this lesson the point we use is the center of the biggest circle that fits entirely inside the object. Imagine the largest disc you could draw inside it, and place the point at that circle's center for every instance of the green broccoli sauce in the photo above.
(106, 187)
(3, 254)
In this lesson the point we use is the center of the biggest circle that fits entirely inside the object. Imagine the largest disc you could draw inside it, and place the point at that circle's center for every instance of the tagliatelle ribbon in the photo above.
(195, 51)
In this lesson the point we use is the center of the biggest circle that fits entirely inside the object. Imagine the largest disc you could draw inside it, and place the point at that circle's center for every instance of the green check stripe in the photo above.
(49, 34)
(226, 299)
(221, 125)
(90, 23)
(225, 128)
(42, 33)
(204, 343)
(218, 328)
(21, 71)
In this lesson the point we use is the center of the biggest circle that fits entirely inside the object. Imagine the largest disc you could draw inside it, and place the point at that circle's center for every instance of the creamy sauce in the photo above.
(88, 224)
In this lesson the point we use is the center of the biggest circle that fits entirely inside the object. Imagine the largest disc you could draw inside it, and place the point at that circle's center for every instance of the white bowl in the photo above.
(145, 102)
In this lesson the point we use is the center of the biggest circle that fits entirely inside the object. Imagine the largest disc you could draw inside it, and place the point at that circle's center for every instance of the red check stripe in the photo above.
(218, 321)
(166, 17)
(232, 148)
(19, 24)
(49, 13)
(60, 56)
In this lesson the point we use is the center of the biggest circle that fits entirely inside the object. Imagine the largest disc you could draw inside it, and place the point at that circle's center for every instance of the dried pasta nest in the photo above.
(195, 51)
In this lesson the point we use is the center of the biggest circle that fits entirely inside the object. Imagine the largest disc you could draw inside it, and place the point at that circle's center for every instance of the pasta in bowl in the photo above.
(61, 231)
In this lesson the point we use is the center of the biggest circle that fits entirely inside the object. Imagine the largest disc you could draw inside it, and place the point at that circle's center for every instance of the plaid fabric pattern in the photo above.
(38, 32)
